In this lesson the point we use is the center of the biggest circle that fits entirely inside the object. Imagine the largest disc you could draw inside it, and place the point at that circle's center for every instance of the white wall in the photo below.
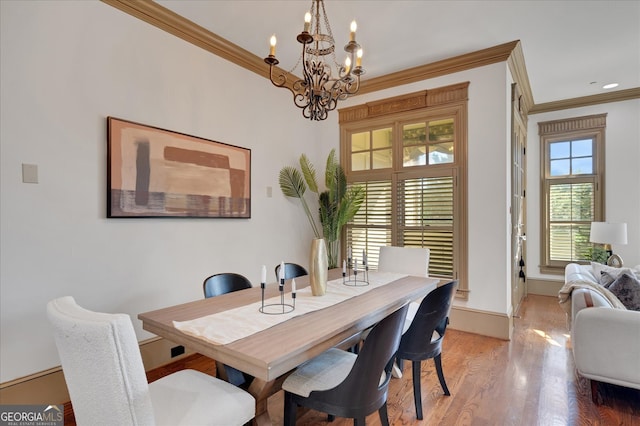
(622, 176)
(488, 180)
(65, 67)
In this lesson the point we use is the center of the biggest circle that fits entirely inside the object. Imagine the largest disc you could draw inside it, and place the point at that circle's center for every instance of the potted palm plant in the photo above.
(337, 203)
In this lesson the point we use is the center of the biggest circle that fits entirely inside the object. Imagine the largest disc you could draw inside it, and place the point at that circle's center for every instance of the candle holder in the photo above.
(278, 308)
(347, 278)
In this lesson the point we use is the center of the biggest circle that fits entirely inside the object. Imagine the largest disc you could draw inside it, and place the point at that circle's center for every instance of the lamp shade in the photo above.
(608, 233)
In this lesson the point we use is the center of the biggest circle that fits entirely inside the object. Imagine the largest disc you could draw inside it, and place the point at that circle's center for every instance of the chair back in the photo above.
(404, 260)
(102, 365)
(226, 282)
(291, 270)
(362, 391)
(418, 341)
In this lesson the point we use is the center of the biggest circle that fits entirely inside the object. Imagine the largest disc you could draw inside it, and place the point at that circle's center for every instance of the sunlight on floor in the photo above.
(548, 338)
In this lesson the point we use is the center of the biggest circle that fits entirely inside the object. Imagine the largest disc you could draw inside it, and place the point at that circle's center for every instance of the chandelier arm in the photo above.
(280, 80)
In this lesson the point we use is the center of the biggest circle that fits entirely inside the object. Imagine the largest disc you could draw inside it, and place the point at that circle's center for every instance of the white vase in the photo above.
(318, 267)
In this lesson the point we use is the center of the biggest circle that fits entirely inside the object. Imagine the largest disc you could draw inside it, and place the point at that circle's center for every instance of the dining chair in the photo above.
(423, 339)
(344, 384)
(404, 260)
(291, 270)
(223, 283)
(106, 379)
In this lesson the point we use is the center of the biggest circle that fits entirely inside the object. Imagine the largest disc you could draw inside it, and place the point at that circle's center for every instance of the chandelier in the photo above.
(319, 89)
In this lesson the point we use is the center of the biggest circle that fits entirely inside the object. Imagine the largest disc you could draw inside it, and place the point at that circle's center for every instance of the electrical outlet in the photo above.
(176, 351)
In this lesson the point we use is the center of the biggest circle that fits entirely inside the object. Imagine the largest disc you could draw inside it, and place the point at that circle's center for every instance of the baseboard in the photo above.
(485, 323)
(544, 287)
(49, 387)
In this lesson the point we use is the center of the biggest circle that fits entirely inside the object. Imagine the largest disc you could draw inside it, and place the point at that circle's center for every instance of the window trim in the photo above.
(586, 127)
(449, 101)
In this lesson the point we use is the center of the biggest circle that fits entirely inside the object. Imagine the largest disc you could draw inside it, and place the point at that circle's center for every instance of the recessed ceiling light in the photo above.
(610, 86)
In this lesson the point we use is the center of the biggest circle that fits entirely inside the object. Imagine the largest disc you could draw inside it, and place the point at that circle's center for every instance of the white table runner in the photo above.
(228, 326)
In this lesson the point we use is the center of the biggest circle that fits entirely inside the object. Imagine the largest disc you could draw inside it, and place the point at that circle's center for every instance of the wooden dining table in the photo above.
(269, 355)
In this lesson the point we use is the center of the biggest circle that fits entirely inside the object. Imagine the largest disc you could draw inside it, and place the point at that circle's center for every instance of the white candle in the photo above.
(344, 266)
(293, 286)
(349, 252)
(282, 271)
(307, 22)
(355, 265)
(263, 276)
(272, 48)
(364, 258)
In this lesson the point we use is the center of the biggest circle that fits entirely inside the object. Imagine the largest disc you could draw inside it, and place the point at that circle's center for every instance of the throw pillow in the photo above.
(607, 278)
(627, 288)
(599, 268)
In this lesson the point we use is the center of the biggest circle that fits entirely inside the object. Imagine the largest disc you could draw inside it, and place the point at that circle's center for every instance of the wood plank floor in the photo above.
(529, 380)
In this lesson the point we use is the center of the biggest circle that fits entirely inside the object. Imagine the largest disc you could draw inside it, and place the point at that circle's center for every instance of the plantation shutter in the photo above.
(371, 227)
(425, 217)
(571, 211)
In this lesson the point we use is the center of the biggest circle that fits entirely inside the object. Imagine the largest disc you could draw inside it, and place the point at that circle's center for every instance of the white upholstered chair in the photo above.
(405, 260)
(106, 379)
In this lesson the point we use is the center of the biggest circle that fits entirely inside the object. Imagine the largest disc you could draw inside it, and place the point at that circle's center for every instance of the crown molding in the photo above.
(520, 77)
(171, 22)
(463, 62)
(602, 98)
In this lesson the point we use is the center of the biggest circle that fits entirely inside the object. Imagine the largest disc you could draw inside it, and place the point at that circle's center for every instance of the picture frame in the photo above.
(153, 172)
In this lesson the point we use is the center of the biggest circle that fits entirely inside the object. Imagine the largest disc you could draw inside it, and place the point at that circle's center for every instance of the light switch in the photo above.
(29, 173)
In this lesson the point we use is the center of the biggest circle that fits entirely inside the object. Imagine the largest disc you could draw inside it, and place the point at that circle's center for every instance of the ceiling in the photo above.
(571, 48)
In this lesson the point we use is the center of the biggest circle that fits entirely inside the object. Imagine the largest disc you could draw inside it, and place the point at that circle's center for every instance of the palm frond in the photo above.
(309, 173)
(292, 185)
(291, 182)
(329, 174)
(336, 206)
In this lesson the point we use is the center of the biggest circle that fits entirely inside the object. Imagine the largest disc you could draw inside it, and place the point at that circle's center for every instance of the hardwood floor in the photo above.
(529, 380)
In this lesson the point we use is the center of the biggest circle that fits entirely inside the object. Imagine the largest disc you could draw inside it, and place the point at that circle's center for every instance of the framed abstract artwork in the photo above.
(153, 172)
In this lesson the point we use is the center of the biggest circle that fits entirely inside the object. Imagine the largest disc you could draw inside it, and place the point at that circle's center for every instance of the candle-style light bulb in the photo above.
(307, 22)
(347, 65)
(354, 27)
(272, 43)
(359, 58)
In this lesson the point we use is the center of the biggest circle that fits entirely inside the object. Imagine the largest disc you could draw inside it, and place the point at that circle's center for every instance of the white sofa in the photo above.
(606, 336)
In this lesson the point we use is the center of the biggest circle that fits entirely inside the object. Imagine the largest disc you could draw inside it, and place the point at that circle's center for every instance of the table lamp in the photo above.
(606, 233)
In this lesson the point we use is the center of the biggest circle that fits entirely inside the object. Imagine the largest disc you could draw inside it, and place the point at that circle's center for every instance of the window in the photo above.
(572, 178)
(411, 165)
